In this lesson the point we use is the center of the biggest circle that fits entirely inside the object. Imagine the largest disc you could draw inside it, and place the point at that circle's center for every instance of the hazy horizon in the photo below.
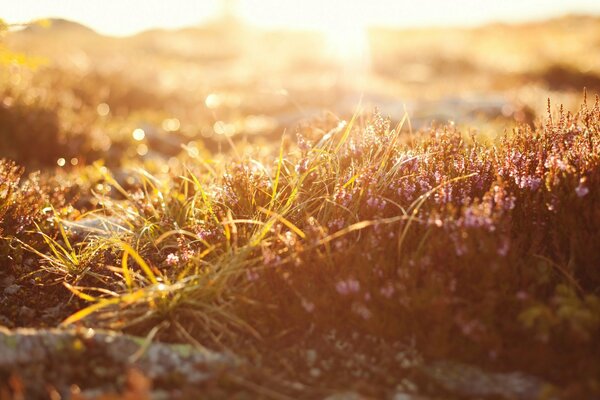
(127, 18)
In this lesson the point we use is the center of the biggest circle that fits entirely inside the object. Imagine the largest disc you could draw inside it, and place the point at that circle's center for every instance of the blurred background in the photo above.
(148, 79)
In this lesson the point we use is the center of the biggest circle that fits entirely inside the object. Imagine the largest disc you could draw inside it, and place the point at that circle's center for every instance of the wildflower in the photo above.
(340, 243)
(252, 275)
(361, 310)
(302, 166)
(504, 247)
(348, 286)
(387, 290)
(172, 260)
(528, 182)
(376, 203)
(308, 306)
(459, 247)
(336, 224)
(522, 295)
(207, 234)
(353, 285)
(555, 162)
(270, 258)
(186, 254)
(408, 190)
(355, 149)
(289, 239)
(343, 197)
(303, 144)
(581, 189)
(425, 186)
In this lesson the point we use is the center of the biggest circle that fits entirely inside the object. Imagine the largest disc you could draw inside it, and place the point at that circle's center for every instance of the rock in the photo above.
(4, 321)
(345, 396)
(99, 359)
(52, 313)
(12, 289)
(7, 280)
(408, 396)
(168, 144)
(470, 381)
(26, 313)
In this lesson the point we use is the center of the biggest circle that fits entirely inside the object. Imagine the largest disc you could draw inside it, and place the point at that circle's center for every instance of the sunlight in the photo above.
(126, 18)
(275, 199)
(348, 43)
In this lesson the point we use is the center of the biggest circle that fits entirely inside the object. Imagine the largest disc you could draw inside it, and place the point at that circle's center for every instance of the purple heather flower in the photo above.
(302, 166)
(361, 310)
(336, 224)
(554, 161)
(504, 247)
(303, 144)
(343, 197)
(252, 275)
(581, 189)
(172, 260)
(308, 306)
(387, 290)
(530, 182)
(522, 295)
(376, 203)
(348, 286)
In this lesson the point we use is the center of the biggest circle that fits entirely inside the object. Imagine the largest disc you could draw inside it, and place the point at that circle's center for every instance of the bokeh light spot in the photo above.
(138, 134)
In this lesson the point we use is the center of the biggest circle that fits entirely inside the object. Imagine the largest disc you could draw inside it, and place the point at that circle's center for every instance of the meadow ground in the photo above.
(205, 206)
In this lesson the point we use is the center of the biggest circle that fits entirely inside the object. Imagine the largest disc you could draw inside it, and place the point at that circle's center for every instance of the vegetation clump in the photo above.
(483, 252)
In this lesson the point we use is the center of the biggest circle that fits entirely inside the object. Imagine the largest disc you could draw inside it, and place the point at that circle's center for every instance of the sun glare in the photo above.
(348, 43)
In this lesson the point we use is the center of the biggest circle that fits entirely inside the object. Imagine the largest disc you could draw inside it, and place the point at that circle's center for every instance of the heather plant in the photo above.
(360, 227)
(80, 118)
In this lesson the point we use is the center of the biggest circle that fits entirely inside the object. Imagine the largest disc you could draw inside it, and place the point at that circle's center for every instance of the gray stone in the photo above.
(26, 312)
(91, 358)
(12, 289)
(470, 381)
(345, 396)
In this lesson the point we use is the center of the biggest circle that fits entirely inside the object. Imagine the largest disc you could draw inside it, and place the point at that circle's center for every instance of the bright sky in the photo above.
(123, 17)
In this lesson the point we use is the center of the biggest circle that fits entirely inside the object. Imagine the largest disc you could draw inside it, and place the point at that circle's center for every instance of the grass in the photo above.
(471, 250)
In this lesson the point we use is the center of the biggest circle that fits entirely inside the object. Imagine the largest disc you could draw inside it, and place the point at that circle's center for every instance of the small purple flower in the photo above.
(336, 224)
(528, 182)
(582, 190)
(353, 285)
(308, 306)
(348, 286)
(252, 275)
(172, 260)
(343, 197)
(376, 203)
(387, 290)
(303, 144)
(342, 288)
(302, 166)
(504, 247)
(361, 310)
(522, 295)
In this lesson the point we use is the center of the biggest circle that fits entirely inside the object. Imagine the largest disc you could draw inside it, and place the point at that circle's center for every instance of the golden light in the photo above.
(103, 109)
(142, 149)
(138, 134)
(171, 124)
(132, 16)
(348, 43)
